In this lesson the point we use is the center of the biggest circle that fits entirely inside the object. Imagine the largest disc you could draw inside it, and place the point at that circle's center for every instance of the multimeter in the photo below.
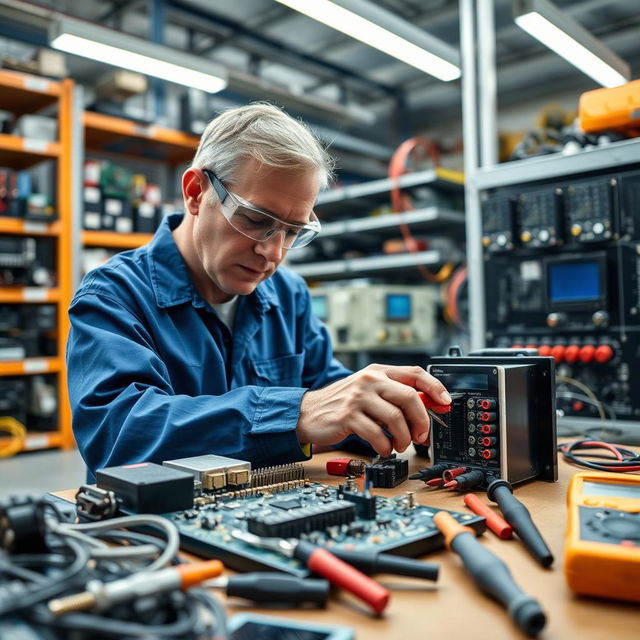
(602, 542)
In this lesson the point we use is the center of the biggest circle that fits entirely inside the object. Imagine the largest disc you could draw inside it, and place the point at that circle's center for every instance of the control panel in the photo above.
(569, 285)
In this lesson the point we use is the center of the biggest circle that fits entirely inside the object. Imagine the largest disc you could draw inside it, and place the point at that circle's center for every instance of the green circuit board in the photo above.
(322, 514)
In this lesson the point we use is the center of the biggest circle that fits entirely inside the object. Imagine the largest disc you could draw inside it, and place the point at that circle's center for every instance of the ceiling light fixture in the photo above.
(384, 31)
(570, 40)
(129, 52)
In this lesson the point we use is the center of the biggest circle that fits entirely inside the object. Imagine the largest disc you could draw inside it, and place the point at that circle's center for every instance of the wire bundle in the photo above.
(74, 555)
(624, 460)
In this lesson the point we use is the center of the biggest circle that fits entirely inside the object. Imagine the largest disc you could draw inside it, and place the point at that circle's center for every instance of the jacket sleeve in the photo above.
(125, 409)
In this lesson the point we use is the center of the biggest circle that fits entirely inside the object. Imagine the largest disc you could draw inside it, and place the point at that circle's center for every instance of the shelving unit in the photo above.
(109, 135)
(22, 94)
(344, 212)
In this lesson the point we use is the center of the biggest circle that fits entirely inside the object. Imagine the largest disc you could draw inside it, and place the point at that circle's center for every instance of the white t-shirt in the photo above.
(226, 311)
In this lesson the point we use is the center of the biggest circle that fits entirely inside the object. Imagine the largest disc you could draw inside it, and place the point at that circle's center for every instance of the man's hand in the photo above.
(375, 397)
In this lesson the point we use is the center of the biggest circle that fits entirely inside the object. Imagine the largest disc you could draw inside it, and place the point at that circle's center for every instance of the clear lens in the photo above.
(260, 226)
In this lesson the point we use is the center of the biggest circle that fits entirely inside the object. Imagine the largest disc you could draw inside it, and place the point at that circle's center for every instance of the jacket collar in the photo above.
(170, 279)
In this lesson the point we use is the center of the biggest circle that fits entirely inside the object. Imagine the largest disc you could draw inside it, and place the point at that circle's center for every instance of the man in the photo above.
(195, 344)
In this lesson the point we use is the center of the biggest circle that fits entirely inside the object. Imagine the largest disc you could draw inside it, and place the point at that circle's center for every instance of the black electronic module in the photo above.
(310, 511)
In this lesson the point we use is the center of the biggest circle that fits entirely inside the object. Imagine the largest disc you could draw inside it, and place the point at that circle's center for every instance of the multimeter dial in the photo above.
(609, 525)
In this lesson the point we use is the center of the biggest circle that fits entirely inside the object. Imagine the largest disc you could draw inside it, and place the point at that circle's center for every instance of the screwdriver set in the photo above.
(336, 518)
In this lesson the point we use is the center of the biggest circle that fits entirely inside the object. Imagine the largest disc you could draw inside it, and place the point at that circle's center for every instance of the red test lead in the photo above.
(345, 467)
(495, 522)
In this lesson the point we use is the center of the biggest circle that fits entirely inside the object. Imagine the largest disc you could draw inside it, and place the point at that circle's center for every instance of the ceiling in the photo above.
(275, 53)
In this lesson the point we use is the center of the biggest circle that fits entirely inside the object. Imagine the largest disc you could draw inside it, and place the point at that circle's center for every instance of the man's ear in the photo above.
(194, 184)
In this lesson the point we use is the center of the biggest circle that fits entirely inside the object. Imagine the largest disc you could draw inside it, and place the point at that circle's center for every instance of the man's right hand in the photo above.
(362, 404)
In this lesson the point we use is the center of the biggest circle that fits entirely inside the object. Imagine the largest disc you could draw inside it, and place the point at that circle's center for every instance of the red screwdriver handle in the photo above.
(325, 564)
(430, 403)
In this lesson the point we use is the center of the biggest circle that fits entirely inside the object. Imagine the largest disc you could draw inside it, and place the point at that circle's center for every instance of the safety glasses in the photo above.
(259, 225)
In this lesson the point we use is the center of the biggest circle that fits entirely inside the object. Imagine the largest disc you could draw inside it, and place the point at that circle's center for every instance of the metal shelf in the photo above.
(29, 294)
(30, 366)
(22, 153)
(392, 220)
(443, 178)
(114, 239)
(551, 166)
(353, 266)
(29, 227)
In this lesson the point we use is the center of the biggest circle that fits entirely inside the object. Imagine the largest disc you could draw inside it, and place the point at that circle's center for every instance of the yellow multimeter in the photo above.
(602, 542)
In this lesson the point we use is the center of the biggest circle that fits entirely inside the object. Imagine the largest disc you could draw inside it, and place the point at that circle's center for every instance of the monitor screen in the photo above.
(465, 381)
(398, 306)
(574, 281)
(319, 307)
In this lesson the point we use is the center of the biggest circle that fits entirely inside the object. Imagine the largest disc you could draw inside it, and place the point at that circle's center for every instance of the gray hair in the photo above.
(266, 133)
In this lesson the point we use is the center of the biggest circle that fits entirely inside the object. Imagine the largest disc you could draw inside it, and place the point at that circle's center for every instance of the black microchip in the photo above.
(287, 504)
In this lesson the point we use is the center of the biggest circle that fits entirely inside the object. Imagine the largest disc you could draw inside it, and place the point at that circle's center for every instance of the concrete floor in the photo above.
(41, 471)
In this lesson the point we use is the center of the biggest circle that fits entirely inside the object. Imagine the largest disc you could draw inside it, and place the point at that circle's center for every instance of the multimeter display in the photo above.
(611, 489)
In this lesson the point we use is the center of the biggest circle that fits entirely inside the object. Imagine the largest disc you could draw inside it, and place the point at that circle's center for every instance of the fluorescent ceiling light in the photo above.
(122, 50)
(545, 22)
(380, 29)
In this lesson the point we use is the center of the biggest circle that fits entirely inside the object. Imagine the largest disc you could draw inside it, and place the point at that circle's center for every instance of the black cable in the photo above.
(623, 459)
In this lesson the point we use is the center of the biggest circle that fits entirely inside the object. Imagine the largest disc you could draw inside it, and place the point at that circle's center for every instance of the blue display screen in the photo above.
(319, 307)
(398, 306)
(574, 281)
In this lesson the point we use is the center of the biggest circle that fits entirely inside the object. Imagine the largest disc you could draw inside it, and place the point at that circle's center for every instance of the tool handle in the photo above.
(371, 563)
(430, 403)
(491, 575)
(324, 563)
(278, 587)
(495, 522)
(518, 516)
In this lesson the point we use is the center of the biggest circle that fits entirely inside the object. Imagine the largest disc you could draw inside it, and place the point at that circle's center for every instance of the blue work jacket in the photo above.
(155, 375)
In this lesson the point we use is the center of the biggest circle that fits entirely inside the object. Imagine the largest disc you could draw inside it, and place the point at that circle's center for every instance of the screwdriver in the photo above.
(272, 587)
(490, 574)
(323, 563)
(518, 516)
(434, 408)
(370, 562)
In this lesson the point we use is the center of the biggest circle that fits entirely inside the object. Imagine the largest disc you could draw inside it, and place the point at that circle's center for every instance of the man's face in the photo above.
(233, 263)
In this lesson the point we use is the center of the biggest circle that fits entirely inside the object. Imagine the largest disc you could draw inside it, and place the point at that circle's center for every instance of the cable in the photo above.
(624, 460)
(402, 202)
(583, 387)
(18, 432)
(584, 398)
(172, 544)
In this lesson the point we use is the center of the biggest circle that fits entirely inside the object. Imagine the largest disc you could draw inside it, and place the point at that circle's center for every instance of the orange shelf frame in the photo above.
(114, 239)
(22, 295)
(117, 135)
(31, 366)
(22, 153)
(29, 227)
(23, 93)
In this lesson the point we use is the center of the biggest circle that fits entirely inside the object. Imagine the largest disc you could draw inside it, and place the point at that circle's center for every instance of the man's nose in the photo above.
(272, 248)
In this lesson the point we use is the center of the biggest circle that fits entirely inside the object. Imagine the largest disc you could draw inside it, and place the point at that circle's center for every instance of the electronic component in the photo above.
(95, 504)
(498, 222)
(279, 474)
(345, 467)
(365, 503)
(147, 487)
(602, 540)
(387, 472)
(539, 217)
(291, 523)
(396, 528)
(360, 317)
(215, 472)
(502, 418)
